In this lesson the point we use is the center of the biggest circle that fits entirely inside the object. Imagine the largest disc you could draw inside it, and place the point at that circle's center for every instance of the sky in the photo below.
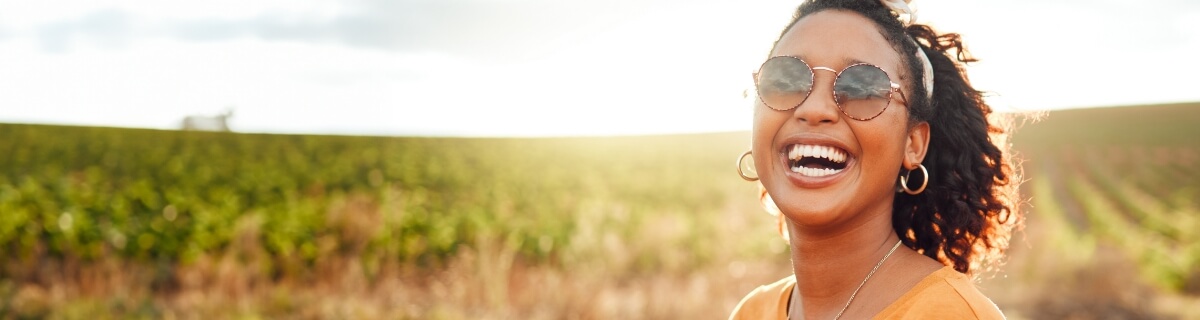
(528, 67)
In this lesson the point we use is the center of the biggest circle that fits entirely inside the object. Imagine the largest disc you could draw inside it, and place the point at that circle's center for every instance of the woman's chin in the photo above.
(809, 218)
(827, 209)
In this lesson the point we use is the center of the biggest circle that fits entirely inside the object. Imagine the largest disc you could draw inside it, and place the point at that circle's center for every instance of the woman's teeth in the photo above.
(798, 151)
(816, 160)
(814, 172)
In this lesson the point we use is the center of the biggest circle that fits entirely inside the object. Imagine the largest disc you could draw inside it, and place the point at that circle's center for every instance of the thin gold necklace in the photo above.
(855, 293)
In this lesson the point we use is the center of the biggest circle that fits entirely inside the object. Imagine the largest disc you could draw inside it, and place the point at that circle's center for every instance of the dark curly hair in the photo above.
(966, 215)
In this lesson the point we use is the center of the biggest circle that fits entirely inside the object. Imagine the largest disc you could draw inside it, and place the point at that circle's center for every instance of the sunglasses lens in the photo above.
(784, 82)
(862, 91)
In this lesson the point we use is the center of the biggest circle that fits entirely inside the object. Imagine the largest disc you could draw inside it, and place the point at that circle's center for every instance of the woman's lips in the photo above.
(813, 164)
(816, 160)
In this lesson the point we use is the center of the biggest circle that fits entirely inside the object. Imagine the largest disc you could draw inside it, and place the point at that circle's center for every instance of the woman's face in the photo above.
(873, 150)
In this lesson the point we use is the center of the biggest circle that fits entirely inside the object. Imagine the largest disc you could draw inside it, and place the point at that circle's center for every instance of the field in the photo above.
(1114, 212)
(131, 223)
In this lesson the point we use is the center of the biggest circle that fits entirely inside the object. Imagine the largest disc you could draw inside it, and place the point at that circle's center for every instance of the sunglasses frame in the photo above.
(893, 86)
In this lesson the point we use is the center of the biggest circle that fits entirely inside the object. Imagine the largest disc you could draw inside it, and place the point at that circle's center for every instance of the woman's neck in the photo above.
(830, 264)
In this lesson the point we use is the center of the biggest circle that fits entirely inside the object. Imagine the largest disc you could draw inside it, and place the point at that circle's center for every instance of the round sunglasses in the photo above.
(862, 91)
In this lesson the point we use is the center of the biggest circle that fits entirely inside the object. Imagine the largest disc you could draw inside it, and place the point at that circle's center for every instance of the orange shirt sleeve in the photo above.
(945, 294)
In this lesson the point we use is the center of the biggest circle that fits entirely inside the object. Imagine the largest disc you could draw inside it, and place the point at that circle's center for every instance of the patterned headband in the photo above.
(908, 16)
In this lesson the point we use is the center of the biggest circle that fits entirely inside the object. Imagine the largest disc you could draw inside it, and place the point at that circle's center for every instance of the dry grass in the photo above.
(603, 275)
(618, 265)
(1045, 280)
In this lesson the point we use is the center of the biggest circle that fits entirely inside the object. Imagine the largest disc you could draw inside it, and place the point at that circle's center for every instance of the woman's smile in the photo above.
(815, 160)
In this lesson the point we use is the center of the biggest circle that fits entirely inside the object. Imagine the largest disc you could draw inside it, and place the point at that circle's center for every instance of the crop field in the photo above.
(133, 223)
(1113, 194)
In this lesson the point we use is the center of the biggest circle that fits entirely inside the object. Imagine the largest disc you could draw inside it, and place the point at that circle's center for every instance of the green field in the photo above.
(133, 223)
(1130, 176)
(1113, 192)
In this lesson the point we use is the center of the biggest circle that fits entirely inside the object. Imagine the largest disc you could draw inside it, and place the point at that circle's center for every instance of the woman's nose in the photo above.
(820, 106)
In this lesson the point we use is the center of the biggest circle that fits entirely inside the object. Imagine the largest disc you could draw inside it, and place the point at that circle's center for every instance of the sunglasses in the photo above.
(862, 91)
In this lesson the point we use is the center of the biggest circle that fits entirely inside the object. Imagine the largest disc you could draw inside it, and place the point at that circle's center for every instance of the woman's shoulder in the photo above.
(944, 294)
(766, 302)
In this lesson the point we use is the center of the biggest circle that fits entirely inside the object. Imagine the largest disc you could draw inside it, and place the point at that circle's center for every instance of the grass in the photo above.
(129, 223)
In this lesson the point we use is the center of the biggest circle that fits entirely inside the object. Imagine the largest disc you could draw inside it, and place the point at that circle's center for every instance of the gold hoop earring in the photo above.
(740, 165)
(924, 182)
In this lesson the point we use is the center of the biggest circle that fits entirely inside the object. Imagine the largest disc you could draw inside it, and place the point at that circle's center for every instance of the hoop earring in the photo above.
(924, 182)
(740, 166)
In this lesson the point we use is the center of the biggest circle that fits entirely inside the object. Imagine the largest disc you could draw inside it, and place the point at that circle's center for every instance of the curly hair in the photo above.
(968, 212)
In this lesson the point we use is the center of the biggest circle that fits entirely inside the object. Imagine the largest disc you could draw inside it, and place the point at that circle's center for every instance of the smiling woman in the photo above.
(879, 155)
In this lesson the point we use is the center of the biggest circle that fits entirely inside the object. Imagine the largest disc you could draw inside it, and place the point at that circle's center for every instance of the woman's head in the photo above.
(826, 167)
(815, 190)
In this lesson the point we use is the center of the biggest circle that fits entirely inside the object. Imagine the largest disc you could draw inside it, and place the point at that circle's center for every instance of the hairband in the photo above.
(908, 16)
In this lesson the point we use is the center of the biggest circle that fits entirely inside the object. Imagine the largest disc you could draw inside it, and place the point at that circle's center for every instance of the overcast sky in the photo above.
(527, 67)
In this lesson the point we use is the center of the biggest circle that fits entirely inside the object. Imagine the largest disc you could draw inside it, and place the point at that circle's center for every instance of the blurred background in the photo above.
(532, 159)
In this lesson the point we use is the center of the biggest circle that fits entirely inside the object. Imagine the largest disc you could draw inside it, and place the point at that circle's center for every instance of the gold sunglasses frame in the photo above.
(893, 86)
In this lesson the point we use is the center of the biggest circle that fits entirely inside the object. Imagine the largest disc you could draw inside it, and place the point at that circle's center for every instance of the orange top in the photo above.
(943, 294)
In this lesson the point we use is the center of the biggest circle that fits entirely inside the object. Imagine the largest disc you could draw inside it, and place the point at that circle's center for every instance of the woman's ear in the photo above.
(916, 145)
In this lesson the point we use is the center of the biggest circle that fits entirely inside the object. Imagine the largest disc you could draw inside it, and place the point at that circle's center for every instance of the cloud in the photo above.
(501, 30)
(107, 28)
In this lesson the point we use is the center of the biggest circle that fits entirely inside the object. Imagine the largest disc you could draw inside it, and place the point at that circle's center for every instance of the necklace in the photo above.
(860, 285)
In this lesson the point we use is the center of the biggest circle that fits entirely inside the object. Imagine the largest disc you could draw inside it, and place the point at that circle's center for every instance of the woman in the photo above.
(877, 152)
